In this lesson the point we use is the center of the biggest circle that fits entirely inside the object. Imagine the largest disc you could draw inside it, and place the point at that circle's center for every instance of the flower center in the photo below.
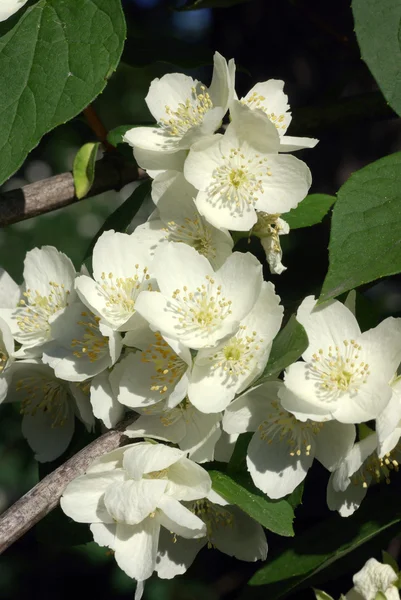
(339, 370)
(238, 356)
(46, 395)
(3, 359)
(237, 182)
(255, 100)
(202, 309)
(213, 515)
(168, 365)
(35, 310)
(375, 468)
(281, 426)
(193, 232)
(121, 292)
(188, 114)
(93, 344)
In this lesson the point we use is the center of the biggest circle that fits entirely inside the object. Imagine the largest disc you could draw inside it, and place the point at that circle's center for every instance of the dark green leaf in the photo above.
(53, 63)
(365, 240)
(115, 136)
(84, 168)
(238, 459)
(295, 498)
(277, 516)
(323, 545)
(122, 217)
(288, 346)
(377, 28)
(310, 211)
(197, 4)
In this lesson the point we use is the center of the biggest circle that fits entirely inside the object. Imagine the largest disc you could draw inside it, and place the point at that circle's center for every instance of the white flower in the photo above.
(229, 530)
(349, 483)
(178, 220)
(283, 449)
(346, 373)
(9, 7)
(158, 371)
(6, 357)
(388, 422)
(104, 400)
(49, 407)
(193, 431)
(82, 346)
(241, 172)
(185, 111)
(195, 305)
(10, 293)
(269, 228)
(220, 373)
(48, 289)
(120, 271)
(128, 494)
(374, 578)
(268, 96)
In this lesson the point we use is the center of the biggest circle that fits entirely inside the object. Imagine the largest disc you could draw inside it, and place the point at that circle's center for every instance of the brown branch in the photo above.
(97, 127)
(45, 496)
(56, 192)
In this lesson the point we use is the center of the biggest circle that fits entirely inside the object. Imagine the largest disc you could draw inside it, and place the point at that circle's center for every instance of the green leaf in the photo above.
(69, 50)
(197, 4)
(321, 595)
(115, 136)
(310, 211)
(120, 219)
(389, 560)
(323, 545)
(238, 459)
(288, 346)
(377, 28)
(295, 498)
(83, 169)
(276, 516)
(365, 240)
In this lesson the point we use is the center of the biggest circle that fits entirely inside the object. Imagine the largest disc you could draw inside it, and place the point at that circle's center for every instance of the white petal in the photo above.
(225, 447)
(300, 395)
(46, 441)
(83, 408)
(82, 499)
(176, 555)
(45, 265)
(188, 481)
(172, 193)
(382, 347)
(132, 501)
(9, 7)
(252, 126)
(144, 458)
(327, 324)
(104, 534)
(204, 157)
(156, 162)
(243, 538)
(178, 519)
(347, 502)
(105, 405)
(10, 292)
(273, 469)
(151, 139)
(333, 443)
(248, 411)
(158, 426)
(136, 548)
(292, 144)
(221, 89)
(221, 214)
(171, 90)
(202, 433)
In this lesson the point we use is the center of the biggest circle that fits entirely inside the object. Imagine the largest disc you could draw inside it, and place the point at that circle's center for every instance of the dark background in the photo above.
(311, 46)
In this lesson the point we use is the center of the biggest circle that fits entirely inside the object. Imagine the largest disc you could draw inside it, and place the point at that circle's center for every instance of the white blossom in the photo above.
(48, 289)
(82, 346)
(185, 110)
(6, 357)
(345, 374)
(49, 407)
(104, 402)
(120, 272)
(362, 466)
(241, 171)
(177, 219)
(229, 530)
(373, 579)
(9, 7)
(269, 228)
(220, 373)
(196, 305)
(388, 422)
(127, 495)
(268, 96)
(194, 432)
(283, 449)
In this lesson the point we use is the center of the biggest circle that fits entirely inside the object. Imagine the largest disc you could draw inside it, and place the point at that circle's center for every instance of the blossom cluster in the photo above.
(176, 326)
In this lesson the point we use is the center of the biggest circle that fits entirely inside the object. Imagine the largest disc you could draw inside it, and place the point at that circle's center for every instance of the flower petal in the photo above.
(145, 457)
(178, 519)
(136, 548)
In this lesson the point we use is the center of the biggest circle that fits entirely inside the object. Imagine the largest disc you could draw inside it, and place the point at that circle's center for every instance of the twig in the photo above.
(97, 127)
(56, 192)
(45, 496)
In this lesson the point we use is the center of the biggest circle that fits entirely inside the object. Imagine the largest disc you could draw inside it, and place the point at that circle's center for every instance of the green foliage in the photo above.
(377, 28)
(84, 168)
(328, 542)
(120, 219)
(197, 4)
(310, 211)
(49, 82)
(366, 228)
(276, 516)
(115, 136)
(288, 346)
